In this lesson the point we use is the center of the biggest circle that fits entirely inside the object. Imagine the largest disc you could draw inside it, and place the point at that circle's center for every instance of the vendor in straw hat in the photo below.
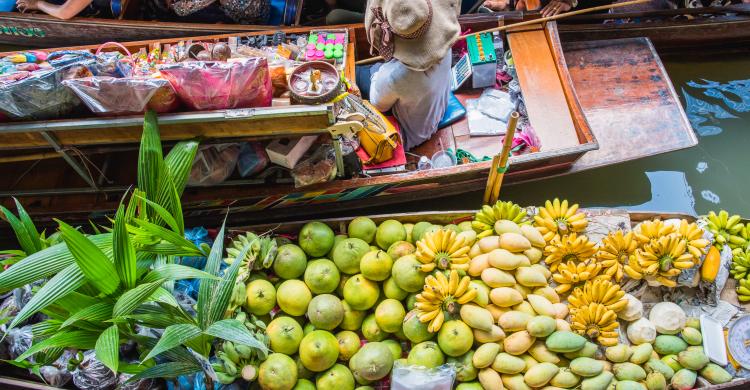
(414, 37)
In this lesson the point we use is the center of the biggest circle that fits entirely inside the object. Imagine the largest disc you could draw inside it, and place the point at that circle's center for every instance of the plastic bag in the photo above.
(404, 377)
(221, 85)
(19, 340)
(213, 164)
(123, 96)
(92, 374)
(197, 382)
(318, 168)
(142, 384)
(488, 115)
(57, 374)
(252, 160)
(42, 96)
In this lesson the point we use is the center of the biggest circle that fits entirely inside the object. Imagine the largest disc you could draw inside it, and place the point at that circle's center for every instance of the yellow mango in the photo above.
(496, 311)
(534, 236)
(529, 360)
(505, 296)
(541, 305)
(518, 343)
(493, 336)
(489, 243)
(477, 317)
(514, 321)
(507, 261)
(494, 277)
(513, 382)
(505, 363)
(534, 255)
(562, 325)
(478, 264)
(548, 292)
(541, 354)
(561, 310)
(542, 269)
(485, 355)
(540, 374)
(530, 277)
(514, 242)
(475, 250)
(490, 379)
(525, 307)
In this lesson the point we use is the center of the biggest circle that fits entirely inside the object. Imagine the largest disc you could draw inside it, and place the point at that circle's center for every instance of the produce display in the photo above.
(514, 298)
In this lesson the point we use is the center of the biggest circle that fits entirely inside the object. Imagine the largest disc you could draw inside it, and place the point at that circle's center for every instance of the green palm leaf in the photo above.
(150, 156)
(108, 348)
(176, 272)
(22, 235)
(179, 161)
(167, 370)
(206, 289)
(62, 284)
(223, 292)
(174, 336)
(236, 332)
(78, 339)
(164, 215)
(98, 268)
(123, 251)
(30, 227)
(95, 313)
(132, 298)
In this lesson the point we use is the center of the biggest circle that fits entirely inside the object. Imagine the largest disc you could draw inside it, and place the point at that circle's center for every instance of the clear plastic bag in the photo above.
(92, 374)
(320, 167)
(213, 164)
(142, 384)
(221, 85)
(57, 374)
(42, 96)
(406, 377)
(123, 96)
(19, 340)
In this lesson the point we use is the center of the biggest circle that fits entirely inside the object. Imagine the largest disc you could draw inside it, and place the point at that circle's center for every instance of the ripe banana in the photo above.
(442, 294)
(569, 274)
(572, 247)
(485, 218)
(598, 291)
(443, 249)
(615, 251)
(556, 218)
(596, 322)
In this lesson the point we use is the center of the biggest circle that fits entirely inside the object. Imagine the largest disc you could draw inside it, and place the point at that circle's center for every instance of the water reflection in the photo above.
(670, 192)
(734, 94)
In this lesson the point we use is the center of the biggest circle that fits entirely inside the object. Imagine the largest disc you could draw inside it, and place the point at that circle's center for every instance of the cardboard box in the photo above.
(288, 151)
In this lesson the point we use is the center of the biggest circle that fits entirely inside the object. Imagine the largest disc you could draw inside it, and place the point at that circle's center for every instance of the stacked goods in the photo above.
(511, 300)
(730, 231)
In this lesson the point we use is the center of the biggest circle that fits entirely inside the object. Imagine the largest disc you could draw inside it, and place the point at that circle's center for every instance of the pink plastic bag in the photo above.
(123, 96)
(204, 85)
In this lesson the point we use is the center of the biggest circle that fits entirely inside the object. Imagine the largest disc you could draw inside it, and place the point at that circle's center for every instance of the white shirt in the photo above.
(418, 99)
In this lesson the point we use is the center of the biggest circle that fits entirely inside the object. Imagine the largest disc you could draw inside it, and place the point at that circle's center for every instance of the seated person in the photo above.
(346, 11)
(415, 38)
(206, 11)
(552, 7)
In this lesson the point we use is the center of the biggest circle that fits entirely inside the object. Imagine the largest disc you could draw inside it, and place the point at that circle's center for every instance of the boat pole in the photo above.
(500, 162)
(530, 22)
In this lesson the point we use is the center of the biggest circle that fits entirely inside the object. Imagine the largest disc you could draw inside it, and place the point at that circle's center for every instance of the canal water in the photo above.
(715, 174)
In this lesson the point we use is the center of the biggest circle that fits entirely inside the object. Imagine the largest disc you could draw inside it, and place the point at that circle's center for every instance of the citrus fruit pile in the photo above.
(514, 301)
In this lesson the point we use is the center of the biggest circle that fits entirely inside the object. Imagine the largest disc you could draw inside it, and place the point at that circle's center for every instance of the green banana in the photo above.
(231, 352)
(727, 229)
(225, 379)
(229, 367)
(244, 351)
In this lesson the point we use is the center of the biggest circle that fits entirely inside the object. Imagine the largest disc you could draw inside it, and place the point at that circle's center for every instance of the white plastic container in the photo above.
(713, 340)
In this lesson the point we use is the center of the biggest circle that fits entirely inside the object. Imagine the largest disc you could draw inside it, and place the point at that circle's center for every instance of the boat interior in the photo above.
(589, 105)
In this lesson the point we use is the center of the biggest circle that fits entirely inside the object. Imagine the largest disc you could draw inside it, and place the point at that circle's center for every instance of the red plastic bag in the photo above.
(204, 85)
(123, 96)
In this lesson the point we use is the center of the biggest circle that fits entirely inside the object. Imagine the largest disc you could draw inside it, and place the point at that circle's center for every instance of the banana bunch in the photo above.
(484, 220)
(692, 234)
(597, 323)
(261, 253)
(664, 259)
(726, 229)
(649, 231)
(443, 249)
(740, 265)
(571, 247)
(442, 294)
(745, 234)
(598, 291)
(238, 360)
(615, 251)
(558, 219)
(238, 297)
(743, 290)
(571, 273)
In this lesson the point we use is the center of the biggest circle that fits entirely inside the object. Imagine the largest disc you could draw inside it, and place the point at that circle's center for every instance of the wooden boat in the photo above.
(715, 26)
(587, 115)
(13, 378)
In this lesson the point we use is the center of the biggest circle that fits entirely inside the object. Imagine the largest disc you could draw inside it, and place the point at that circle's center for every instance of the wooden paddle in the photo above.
(530, 22)
(500, 163)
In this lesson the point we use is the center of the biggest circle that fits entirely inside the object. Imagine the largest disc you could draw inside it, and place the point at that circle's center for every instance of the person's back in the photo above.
(415, 37)
(417, 98)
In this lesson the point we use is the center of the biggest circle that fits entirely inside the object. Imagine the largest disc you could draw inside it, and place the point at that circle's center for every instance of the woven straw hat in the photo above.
(416, 32)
